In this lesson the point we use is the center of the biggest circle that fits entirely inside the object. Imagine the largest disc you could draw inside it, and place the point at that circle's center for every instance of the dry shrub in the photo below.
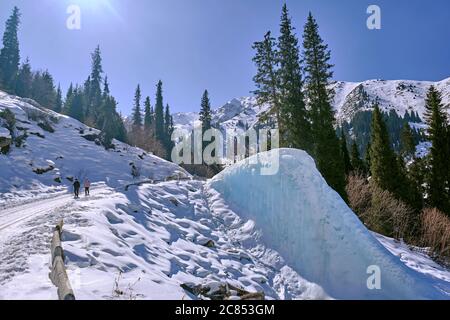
(378, 209)
(145, 139)
(436, 233)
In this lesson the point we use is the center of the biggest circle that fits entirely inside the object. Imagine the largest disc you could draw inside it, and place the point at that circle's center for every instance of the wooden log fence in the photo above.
(58, 274)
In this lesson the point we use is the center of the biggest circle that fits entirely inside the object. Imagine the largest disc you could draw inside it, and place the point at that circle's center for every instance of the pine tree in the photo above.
(159, 113)
(292, 105)
(345, 155)
(383, 162)
(326, 148)
(408, 146)
(148, 118)
(10, 53)
(266, 79)
(137, 113)
(438, 178)
(24, 80)
(58, 102)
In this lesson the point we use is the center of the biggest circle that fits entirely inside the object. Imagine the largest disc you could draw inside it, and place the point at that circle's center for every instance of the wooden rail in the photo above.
(58, 275)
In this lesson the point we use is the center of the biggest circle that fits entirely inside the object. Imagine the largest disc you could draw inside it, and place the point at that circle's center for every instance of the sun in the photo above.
(98, 6)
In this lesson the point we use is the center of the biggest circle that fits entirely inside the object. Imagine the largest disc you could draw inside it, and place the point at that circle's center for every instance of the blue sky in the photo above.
(194, 45)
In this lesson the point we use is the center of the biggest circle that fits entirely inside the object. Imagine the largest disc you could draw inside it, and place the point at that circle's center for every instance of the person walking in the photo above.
(87, 186)
(76, 188)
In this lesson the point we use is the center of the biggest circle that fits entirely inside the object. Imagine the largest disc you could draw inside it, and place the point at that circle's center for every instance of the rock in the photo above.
(174, 201)
(43, 170)
(221, 291)
(209, 244)
(46, 126)
(254, 296)
(5, 144)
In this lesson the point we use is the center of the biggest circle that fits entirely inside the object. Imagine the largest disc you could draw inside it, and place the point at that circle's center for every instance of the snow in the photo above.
(4, 133)
(307, 222)
(66, 154)
(142, 238)
(234, 115)
(148, 241)
(398, 95)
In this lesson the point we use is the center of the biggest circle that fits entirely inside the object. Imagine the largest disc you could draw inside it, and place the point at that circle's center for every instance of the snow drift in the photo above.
(314, 230)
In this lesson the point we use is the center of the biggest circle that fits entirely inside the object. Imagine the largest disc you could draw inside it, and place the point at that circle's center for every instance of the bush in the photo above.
(379, 210)
(436, 233)
(9, 118)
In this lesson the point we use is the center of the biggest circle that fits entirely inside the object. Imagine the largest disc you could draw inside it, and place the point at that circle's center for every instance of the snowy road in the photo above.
(14, 216)
(18, 214)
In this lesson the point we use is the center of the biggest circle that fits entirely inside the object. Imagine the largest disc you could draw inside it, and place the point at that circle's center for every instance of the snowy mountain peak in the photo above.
(349, 99)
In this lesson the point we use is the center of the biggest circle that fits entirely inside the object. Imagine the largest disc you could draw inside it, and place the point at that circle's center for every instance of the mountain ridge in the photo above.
(349, 99)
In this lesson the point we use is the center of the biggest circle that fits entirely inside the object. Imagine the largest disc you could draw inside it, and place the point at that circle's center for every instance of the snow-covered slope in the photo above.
(53, 157)
(398, 95)
(237, 114)
(350, 97)
(308, 223)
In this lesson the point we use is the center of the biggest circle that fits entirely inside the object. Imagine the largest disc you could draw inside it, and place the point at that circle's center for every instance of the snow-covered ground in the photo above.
(288, 235)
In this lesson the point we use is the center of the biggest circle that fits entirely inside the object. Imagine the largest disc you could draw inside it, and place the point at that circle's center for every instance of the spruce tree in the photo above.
(292, 105)
(205, 112)
(326, 147)
(407, 143)
(106, 91)
(48, 93)
(75, 105)
(159, 113)
(69, 95)
(24, 81)
(148, 118)
(355, 159)
(267, 80)
(383, 162)
(438, 177)
(168, 129)
(345, 155)
(58, 102)
(10, 53)
(43, 89)
(205, 116)
(94, 93)
(137, 114)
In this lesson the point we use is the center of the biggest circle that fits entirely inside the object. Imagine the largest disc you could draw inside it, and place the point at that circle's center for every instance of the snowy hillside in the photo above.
(398, 95)
(56, 149)
(350, 97)
(237, 114)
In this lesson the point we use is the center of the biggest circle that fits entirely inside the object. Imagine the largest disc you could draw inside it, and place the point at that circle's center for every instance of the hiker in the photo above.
(87, 186)
(76, 188)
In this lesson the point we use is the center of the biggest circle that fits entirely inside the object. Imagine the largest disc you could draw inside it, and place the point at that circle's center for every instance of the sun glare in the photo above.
(98, 6)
